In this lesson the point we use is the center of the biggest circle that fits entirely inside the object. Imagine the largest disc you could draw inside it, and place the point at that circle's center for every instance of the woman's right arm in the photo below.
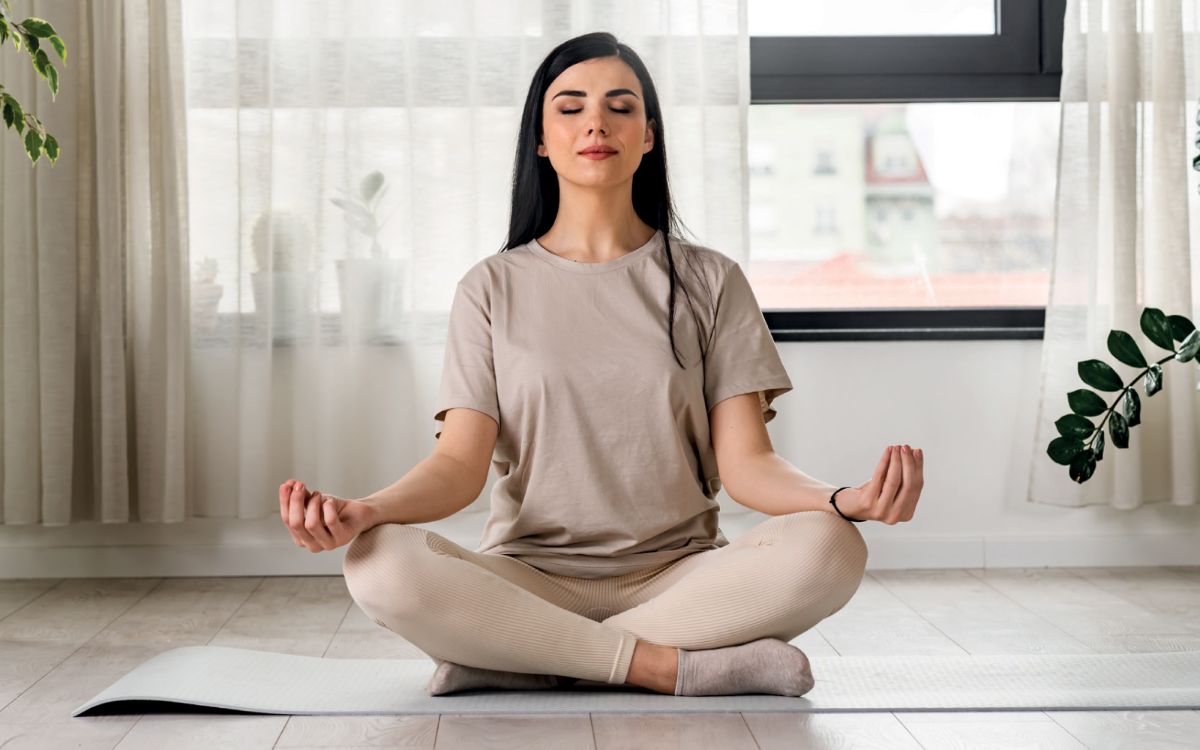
(448, 480)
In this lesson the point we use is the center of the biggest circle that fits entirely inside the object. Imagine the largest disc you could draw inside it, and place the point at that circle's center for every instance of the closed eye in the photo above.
(573, 111)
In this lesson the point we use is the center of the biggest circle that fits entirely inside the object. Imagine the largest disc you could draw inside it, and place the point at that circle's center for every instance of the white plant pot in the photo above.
(289, 299)
(371, 296)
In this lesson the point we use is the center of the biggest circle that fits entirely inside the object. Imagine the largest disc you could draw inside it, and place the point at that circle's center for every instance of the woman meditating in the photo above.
(616, 377)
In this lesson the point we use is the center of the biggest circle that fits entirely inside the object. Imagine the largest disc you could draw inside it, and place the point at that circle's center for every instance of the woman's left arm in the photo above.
(757, 477)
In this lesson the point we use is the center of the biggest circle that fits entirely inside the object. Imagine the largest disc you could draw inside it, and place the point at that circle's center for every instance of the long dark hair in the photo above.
(535, 183)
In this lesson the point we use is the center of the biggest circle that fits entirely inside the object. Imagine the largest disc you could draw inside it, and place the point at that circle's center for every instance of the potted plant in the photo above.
(370, 286)
(285, 284)
(206, 294)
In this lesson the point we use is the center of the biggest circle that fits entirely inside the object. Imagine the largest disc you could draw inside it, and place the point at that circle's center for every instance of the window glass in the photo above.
(930, 204)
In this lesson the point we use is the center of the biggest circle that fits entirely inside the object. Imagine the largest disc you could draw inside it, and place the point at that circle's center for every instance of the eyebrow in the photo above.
(575, 92)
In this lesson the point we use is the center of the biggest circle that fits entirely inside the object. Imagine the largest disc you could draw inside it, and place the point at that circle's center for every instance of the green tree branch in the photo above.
(30, 34)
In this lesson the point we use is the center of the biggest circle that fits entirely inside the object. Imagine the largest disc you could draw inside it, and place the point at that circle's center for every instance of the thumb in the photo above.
(330, 511)
(881, 469)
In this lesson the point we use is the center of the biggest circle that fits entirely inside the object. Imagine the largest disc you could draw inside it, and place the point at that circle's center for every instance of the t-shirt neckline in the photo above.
(582, 267)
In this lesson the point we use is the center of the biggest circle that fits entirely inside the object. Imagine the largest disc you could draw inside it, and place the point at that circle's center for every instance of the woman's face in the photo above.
(579, 111)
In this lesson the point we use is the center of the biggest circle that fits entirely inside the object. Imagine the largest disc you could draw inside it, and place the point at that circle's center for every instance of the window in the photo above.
(924, 137)
(825, 217)
(824, 159)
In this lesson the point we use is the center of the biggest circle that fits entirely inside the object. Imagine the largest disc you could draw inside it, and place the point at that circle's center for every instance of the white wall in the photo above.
(968, 404)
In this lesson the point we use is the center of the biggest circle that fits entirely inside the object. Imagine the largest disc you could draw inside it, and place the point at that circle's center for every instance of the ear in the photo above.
(649, 135)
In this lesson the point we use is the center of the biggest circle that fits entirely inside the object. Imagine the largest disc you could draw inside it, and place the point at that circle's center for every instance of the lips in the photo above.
(597, 150)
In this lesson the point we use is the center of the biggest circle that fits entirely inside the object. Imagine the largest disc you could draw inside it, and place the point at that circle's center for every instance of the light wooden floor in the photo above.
(62, 641)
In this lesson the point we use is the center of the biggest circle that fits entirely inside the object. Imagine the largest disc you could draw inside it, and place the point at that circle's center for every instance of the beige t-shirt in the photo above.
(604, 457)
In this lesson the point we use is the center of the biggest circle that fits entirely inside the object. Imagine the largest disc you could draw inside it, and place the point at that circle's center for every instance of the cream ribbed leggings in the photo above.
(493, 611)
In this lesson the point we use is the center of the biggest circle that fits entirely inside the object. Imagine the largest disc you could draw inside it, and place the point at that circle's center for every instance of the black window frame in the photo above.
(1022, 61)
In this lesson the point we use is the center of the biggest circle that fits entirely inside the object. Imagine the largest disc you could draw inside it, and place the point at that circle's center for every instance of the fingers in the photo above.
(914, 481)
(285, 492)
(891, 485)
(333, 523)
(906, 497)
(871, 488)
(296, 504)
(314, 521)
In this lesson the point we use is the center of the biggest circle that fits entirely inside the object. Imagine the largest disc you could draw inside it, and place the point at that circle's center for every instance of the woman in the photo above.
(602, 560)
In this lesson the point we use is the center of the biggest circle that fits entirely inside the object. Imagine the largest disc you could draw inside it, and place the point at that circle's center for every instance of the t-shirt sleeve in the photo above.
(742, 356)
(468, 374)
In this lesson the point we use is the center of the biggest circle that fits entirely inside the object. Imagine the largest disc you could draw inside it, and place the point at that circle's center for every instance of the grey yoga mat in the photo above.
(275, 683)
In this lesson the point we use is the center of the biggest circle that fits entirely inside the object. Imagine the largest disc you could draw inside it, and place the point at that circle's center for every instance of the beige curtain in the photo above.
(1128, 237)
(93, 274)
(308, 349)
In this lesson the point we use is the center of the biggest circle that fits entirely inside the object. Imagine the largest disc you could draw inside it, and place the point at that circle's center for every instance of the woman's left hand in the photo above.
(891, 494)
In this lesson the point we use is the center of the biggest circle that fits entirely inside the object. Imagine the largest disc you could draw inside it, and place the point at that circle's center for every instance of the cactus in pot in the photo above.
(286, 236)
(285, 284)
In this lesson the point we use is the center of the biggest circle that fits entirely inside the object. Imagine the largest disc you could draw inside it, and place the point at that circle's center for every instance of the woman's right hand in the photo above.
(319, 521)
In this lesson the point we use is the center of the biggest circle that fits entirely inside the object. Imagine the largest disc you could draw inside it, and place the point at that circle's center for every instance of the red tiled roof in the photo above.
(847, 281)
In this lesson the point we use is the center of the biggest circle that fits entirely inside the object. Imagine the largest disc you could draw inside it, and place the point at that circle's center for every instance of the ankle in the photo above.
(654, 666)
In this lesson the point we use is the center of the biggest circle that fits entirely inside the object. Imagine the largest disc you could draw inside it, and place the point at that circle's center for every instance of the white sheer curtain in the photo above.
(310, 367)
(93, 273)
(1126, 240)
(160, 364)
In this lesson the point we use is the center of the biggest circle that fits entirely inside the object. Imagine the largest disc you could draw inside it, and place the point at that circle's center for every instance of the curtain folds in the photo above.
(1126, 239)
(195, 306)
(94, 280)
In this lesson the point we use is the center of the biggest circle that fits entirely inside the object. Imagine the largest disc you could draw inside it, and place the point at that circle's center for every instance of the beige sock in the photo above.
(450, 677)
(767, 665)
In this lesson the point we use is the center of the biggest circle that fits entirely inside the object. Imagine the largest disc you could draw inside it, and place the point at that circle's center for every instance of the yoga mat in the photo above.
(274, 683)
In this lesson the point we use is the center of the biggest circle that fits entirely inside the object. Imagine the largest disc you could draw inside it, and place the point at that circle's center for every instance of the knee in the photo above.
(381, 568)
(836, 549)
(838, 543)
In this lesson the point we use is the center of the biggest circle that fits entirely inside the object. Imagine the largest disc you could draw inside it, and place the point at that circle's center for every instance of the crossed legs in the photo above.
(491, 611)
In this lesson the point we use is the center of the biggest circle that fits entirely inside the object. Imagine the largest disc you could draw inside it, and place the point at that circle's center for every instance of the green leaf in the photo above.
(379, 196)
(1063, 449)
(1098, 445)
(1188, 347)
(1125, 349)
(38, 27)
(370, 184)
(1180, 326)
(1073, 425)
(1082, 466)
(1086, 403)
(51, 148)
(1153, 379)
(352, 207)
(1131, 408)
(60, 47)
(33, 144)
(19, 123)
(1156, 328)
(3, 30)
(52, 79)
(40, 61)
(1098, 374)
(1118, 430)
